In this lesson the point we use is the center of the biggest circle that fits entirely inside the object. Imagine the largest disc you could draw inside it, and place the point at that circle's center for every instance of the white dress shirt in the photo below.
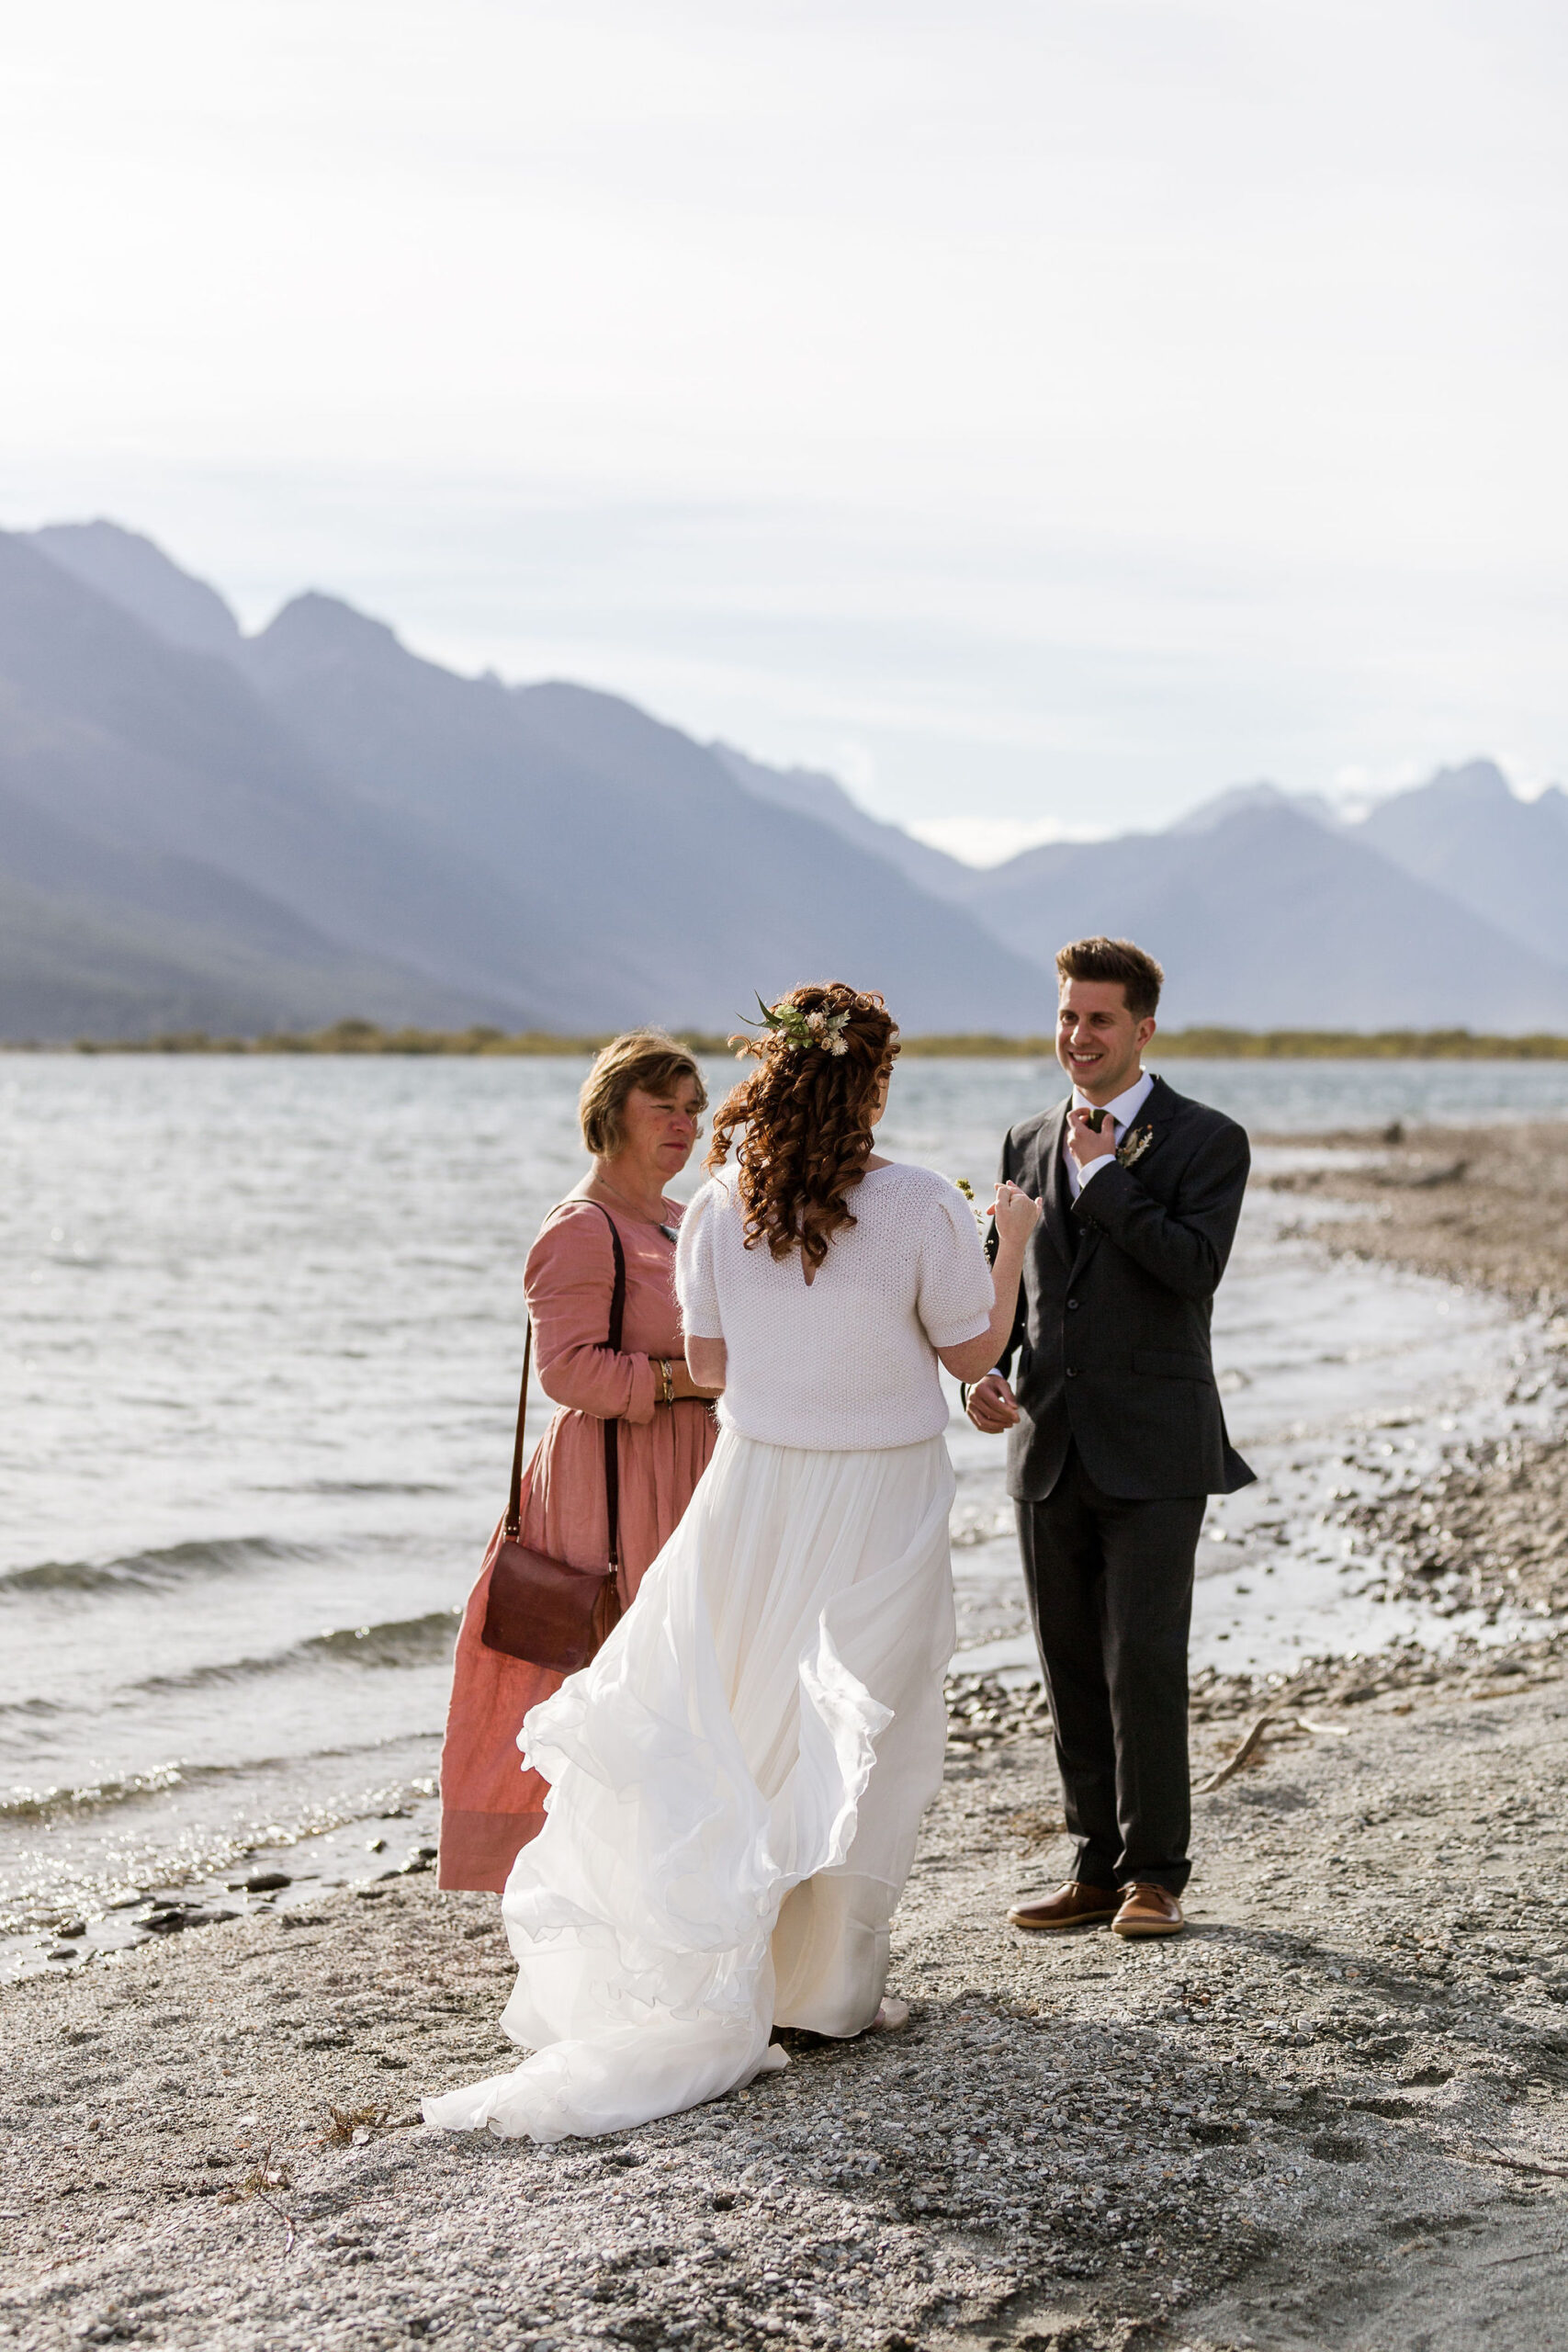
(1119, 1115)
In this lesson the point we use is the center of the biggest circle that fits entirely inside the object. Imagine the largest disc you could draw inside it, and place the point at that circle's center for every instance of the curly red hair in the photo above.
(804, 1112)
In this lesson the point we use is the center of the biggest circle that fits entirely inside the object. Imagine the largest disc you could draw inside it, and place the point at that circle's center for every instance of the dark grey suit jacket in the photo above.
(1112, 1336)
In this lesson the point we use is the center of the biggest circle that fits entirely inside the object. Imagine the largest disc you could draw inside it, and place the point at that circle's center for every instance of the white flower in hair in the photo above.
(800, 1029)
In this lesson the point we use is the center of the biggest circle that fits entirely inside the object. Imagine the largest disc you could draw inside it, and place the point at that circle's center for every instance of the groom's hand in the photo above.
(992, 1405)
(1086, 1143)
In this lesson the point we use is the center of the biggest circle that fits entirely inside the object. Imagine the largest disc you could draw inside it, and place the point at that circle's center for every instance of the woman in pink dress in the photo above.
(639, 1110)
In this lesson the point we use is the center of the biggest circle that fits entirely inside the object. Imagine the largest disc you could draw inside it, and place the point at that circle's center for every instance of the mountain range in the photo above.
(200, 829)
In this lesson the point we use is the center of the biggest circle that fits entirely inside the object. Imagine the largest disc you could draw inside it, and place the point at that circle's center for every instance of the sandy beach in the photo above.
(1335, 2113)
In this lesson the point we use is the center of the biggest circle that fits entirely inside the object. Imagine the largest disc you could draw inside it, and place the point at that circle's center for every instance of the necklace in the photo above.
(640, 1214)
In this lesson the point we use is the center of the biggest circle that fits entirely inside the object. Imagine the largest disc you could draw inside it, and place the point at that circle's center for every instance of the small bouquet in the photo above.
(976, 1211)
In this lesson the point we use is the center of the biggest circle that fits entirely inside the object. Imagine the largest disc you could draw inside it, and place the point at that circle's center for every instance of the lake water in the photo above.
(262, 1325)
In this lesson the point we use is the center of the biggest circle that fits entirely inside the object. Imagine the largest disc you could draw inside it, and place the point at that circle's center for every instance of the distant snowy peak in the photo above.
(1468, 833)
(1269, 919)
(1242, 797)
(1479, 783)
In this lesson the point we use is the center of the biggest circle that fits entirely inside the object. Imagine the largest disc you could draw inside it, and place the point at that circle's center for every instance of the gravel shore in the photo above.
(1334, 2114)
(1337, 2112)
(1487, 1206)
(1475, 1207)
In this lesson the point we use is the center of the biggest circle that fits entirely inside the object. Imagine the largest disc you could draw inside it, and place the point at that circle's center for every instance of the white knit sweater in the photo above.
(846, 1363)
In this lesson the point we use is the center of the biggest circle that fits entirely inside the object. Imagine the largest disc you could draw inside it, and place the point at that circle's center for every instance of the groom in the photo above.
(1116, 1431)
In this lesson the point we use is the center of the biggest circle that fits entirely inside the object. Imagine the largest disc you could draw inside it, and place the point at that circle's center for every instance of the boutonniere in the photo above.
(1133, 1146)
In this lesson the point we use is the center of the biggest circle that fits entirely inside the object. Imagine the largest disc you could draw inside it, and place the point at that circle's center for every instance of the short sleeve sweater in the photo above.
(846, 1363)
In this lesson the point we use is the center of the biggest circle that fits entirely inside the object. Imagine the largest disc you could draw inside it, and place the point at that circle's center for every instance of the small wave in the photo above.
(403, 1642)
(406, 1641)
(20, 1805)
(40, 1805)
(32, 1710)
(144, 1570)
(362, 1486)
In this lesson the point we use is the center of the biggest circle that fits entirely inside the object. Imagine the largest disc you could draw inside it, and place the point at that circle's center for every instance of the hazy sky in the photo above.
(1045, 412)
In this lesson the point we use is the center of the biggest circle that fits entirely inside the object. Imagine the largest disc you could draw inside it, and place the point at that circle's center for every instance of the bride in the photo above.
(737, 1778)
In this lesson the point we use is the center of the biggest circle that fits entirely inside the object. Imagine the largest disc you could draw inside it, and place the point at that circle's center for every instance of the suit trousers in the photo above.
(1109, 1585)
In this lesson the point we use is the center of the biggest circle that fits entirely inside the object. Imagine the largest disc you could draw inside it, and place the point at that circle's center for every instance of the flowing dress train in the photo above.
(719, 1853)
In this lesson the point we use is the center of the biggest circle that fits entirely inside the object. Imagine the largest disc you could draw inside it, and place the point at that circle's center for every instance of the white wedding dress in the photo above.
(737, 1778)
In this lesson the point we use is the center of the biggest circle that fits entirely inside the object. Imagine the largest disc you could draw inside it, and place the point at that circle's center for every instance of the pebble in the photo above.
(174, 1919)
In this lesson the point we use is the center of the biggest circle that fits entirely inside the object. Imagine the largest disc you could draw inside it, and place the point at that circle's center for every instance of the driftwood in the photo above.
(1511, 2163)
(1270, 1720)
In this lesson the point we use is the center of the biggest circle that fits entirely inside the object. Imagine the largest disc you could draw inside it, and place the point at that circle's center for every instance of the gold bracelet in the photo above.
(669, 1379)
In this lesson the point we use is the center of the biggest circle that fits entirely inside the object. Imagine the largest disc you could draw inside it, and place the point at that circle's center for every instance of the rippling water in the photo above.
(262, 1325)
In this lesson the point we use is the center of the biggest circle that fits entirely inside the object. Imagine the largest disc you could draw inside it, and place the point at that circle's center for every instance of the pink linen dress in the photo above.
(490, 1807)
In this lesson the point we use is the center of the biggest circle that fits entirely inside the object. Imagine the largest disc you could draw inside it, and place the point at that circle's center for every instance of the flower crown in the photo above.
(800, 1029)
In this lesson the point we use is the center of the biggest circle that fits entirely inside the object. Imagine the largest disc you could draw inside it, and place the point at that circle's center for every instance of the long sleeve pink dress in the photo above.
(490, 1807)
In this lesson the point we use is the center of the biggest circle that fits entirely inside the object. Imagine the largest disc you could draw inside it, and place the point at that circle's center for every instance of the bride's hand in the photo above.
(1016, 1214)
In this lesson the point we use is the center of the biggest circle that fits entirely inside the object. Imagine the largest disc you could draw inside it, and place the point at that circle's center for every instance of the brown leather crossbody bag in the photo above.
(543, 1611)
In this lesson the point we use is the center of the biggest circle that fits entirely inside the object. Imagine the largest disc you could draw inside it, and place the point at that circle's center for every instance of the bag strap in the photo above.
(611, 1445)
(515, 1492)
(611, 1428)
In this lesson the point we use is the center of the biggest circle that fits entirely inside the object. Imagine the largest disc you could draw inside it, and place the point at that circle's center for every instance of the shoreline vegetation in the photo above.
(352, 1036)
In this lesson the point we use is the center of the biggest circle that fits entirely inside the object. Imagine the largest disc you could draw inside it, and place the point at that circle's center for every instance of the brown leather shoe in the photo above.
(1148, 1911)
(1073, 1905)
